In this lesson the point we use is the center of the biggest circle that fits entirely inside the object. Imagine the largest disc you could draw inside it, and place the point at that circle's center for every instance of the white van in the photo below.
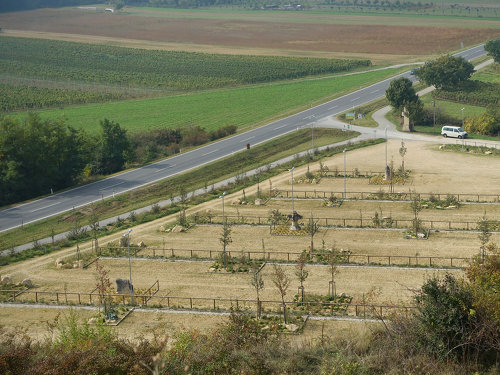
(453, 131)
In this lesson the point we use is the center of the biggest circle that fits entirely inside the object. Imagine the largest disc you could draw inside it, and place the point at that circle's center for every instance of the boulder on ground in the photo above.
(258, 202)
(236, 202)
(6, 279)
(292, 327)
(178, 229)
(66, 266)
(141, 244)
(27, 283)
(162, 228)
(421, 235)
(58, 261)
(123, 286)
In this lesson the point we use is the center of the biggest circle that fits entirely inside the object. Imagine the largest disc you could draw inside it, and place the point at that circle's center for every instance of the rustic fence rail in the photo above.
(291, 256)
(383, 195)
(359, 222)
(210, 304)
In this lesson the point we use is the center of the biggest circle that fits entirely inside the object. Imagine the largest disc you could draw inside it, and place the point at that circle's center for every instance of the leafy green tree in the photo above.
(399, 92)
(493, 49)
(37, 156)
(114, 148)
(414, 111)
(445, 72)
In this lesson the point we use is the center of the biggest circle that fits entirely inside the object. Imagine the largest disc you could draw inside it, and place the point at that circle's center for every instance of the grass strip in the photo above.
(202, 177)
(244, 107)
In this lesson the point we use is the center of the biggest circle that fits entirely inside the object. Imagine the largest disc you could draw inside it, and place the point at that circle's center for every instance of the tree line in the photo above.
(38, 156)
(15, 5)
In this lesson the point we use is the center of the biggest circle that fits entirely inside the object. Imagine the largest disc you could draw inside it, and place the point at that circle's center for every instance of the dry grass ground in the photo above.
(333, 34)
(193, 279)
(371, 242)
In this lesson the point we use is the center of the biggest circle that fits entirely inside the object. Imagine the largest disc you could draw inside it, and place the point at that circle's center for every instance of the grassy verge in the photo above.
(243, 107)
(199, 178)
(367, 112)
(477, 150)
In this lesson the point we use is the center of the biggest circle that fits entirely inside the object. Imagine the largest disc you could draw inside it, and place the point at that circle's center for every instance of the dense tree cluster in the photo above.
(493, 49)
(13, 5)
(39, 156)
(446, 72)
(401, 95)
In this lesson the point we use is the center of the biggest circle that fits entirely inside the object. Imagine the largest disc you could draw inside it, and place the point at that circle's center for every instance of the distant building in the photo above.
(109, 10)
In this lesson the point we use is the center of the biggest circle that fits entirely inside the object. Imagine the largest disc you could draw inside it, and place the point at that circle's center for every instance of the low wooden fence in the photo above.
(211, 304)
(359, 222)
(382, 195)
(291, 256)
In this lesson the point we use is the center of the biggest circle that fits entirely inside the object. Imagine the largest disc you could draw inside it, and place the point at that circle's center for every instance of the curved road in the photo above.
(55, 204)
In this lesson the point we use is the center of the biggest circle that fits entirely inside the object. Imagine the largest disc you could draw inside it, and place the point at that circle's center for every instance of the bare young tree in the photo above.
(94, 225)
(312, 228)
(416, 207)
(282, 282)
(258, 283)
(103, 286)
(484, 226)
(225, 239)
(301, 273)
(333, 261)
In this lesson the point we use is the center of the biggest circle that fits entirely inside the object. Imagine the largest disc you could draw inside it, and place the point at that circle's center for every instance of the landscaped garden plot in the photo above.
(374, 242)
(363, 213)
(431, 170)
(193, 279)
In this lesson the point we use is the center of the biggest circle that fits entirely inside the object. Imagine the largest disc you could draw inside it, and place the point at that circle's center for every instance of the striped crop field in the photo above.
(243, 107)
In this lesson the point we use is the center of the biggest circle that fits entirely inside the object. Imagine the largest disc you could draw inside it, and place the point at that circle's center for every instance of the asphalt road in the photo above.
(62, 202)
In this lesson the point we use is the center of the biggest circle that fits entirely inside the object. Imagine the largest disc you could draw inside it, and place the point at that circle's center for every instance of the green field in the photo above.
(243, 107)
(370, 15)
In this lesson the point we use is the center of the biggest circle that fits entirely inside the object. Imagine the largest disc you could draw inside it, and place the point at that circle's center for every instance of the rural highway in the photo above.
(65, 201)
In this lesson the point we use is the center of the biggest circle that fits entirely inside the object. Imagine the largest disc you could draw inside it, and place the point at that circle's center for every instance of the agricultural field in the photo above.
(377, 38)
(243, 107)
(190, 281)
(167, 70)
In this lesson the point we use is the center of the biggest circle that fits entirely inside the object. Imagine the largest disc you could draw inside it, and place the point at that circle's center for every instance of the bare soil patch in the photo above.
(346, 38)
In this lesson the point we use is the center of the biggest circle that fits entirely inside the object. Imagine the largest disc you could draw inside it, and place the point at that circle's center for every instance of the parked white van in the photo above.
(453, 131)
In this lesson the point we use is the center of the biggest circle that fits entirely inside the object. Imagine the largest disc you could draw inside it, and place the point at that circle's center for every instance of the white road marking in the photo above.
(41, 208)
(373, 92)
(208, 153)
(108, 187)
(353, 100)
(246, 140)
(162, 169)
(282, 126)
(335, 106)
